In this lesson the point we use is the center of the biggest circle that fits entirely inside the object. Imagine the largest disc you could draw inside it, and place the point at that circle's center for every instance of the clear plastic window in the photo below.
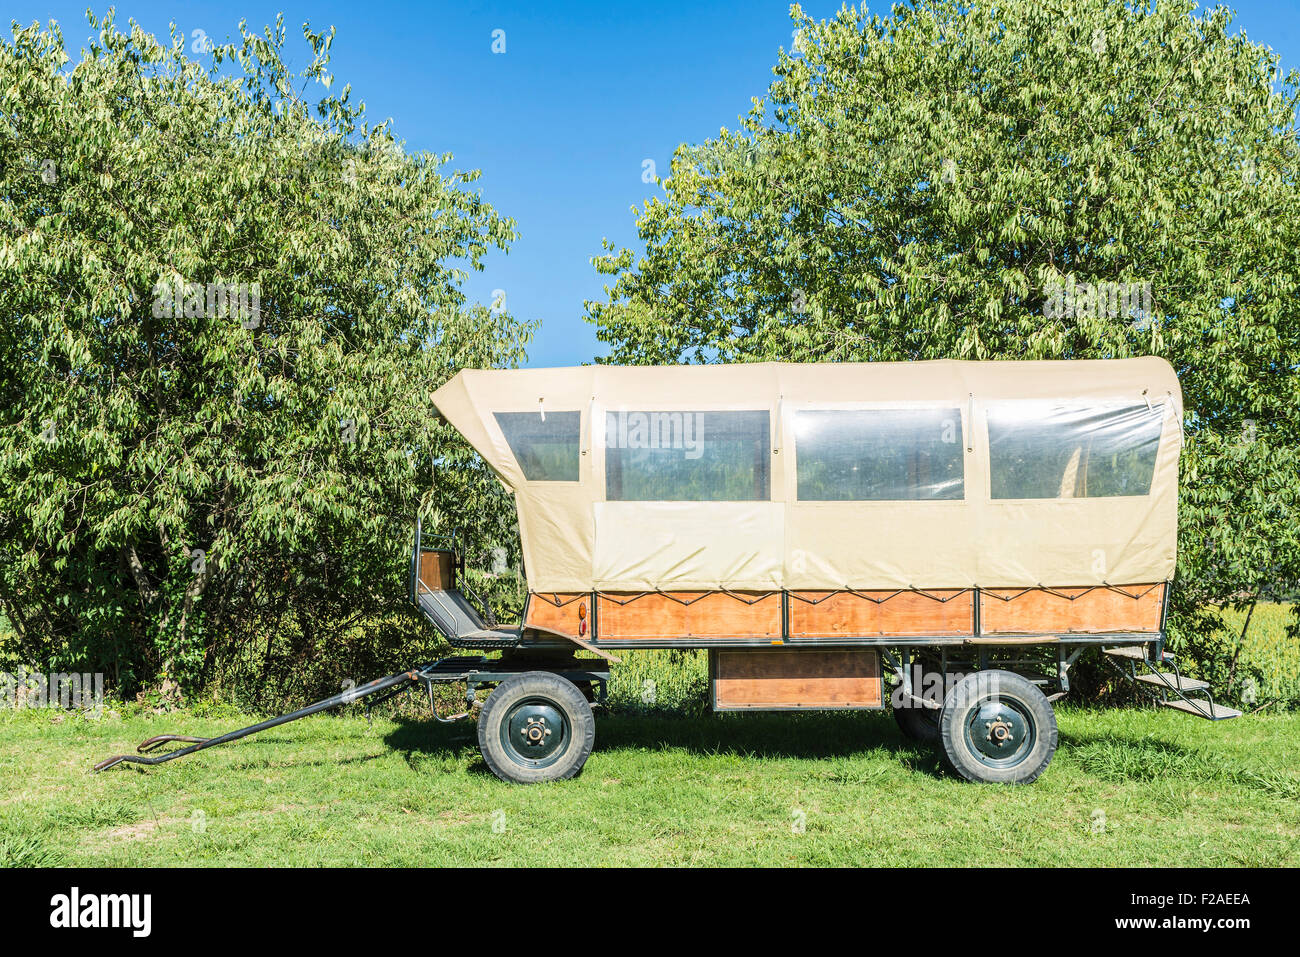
(1054, 451)
(546, 448)
(687, 456)
(879, 455)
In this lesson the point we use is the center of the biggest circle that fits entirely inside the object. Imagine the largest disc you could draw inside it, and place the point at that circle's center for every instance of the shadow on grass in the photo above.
(807, 735)
(285, 753)
(801, 735)
(413, 737)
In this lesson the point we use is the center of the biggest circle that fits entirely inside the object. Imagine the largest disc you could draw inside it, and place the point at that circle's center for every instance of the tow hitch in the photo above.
(474, 670)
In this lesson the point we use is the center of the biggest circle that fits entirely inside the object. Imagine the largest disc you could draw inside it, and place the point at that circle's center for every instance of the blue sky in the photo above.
(563, 121)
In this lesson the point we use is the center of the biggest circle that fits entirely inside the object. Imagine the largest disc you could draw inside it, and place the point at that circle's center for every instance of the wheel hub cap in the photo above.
(1000, 733)
(535, 733)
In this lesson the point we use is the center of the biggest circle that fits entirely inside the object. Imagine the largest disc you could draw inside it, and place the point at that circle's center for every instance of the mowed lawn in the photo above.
(1128, 787)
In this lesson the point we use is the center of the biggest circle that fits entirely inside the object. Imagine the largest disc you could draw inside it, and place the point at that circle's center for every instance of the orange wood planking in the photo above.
(708, 615)
(789, 677)
(436, 573)
(1091, 612)
(906, 613)
(557, 612)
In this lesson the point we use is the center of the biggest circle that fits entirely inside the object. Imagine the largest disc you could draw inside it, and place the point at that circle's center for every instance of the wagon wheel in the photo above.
(918, 723)
(997, 726)
(536, 727)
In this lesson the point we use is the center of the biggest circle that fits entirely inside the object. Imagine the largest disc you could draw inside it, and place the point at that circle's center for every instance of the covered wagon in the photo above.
(967, 529)
(943, 539)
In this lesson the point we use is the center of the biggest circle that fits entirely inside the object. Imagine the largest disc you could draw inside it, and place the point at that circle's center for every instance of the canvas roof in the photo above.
(574, 539)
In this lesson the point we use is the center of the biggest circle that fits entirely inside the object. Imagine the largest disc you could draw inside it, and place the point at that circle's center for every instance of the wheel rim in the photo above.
(1000, 732)
(535, 733)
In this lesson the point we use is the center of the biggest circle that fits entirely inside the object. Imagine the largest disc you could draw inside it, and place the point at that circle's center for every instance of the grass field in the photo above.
(1128, 787)
(1267, 646)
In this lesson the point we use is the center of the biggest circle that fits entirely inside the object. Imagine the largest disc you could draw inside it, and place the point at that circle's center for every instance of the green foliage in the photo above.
(190, 488)
(1259, 655)
(922, 185)
(659, 682)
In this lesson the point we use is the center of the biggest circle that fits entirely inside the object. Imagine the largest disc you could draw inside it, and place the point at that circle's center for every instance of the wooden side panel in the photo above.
(436, 571)
(1092, 611)
(557, 612)
(950, 612)
(795, 678)
(850, 615)
(689, 615)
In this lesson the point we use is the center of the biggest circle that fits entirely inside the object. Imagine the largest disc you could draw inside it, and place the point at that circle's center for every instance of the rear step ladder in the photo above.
(1173, 688)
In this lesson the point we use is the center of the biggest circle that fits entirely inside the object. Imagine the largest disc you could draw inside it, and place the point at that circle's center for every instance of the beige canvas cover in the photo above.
(1061, 532)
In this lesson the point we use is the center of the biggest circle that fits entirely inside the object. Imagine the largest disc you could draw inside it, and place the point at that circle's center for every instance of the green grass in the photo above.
(1267, 646)
(1127, 787)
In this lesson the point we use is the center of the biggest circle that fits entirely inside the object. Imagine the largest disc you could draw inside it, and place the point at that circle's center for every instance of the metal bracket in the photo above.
(450, 719)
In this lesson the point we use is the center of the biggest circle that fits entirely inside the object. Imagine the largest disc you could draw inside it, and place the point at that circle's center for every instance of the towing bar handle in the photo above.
(198, 744)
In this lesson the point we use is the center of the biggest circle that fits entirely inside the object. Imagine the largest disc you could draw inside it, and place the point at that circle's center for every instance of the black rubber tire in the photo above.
(918, 723)
(989, 694)
(555, 691)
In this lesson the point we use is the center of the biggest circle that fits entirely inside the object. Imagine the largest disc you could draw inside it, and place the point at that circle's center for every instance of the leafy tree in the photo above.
(973, 180)
(225, 307)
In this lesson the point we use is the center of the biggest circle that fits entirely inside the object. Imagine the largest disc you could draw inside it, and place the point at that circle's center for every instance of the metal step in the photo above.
(1136, 652)
(1174, 682)
(493, 634)
(1203, 709)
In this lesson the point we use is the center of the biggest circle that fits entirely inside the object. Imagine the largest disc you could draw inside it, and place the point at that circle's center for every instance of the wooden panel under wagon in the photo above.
(780, 678)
